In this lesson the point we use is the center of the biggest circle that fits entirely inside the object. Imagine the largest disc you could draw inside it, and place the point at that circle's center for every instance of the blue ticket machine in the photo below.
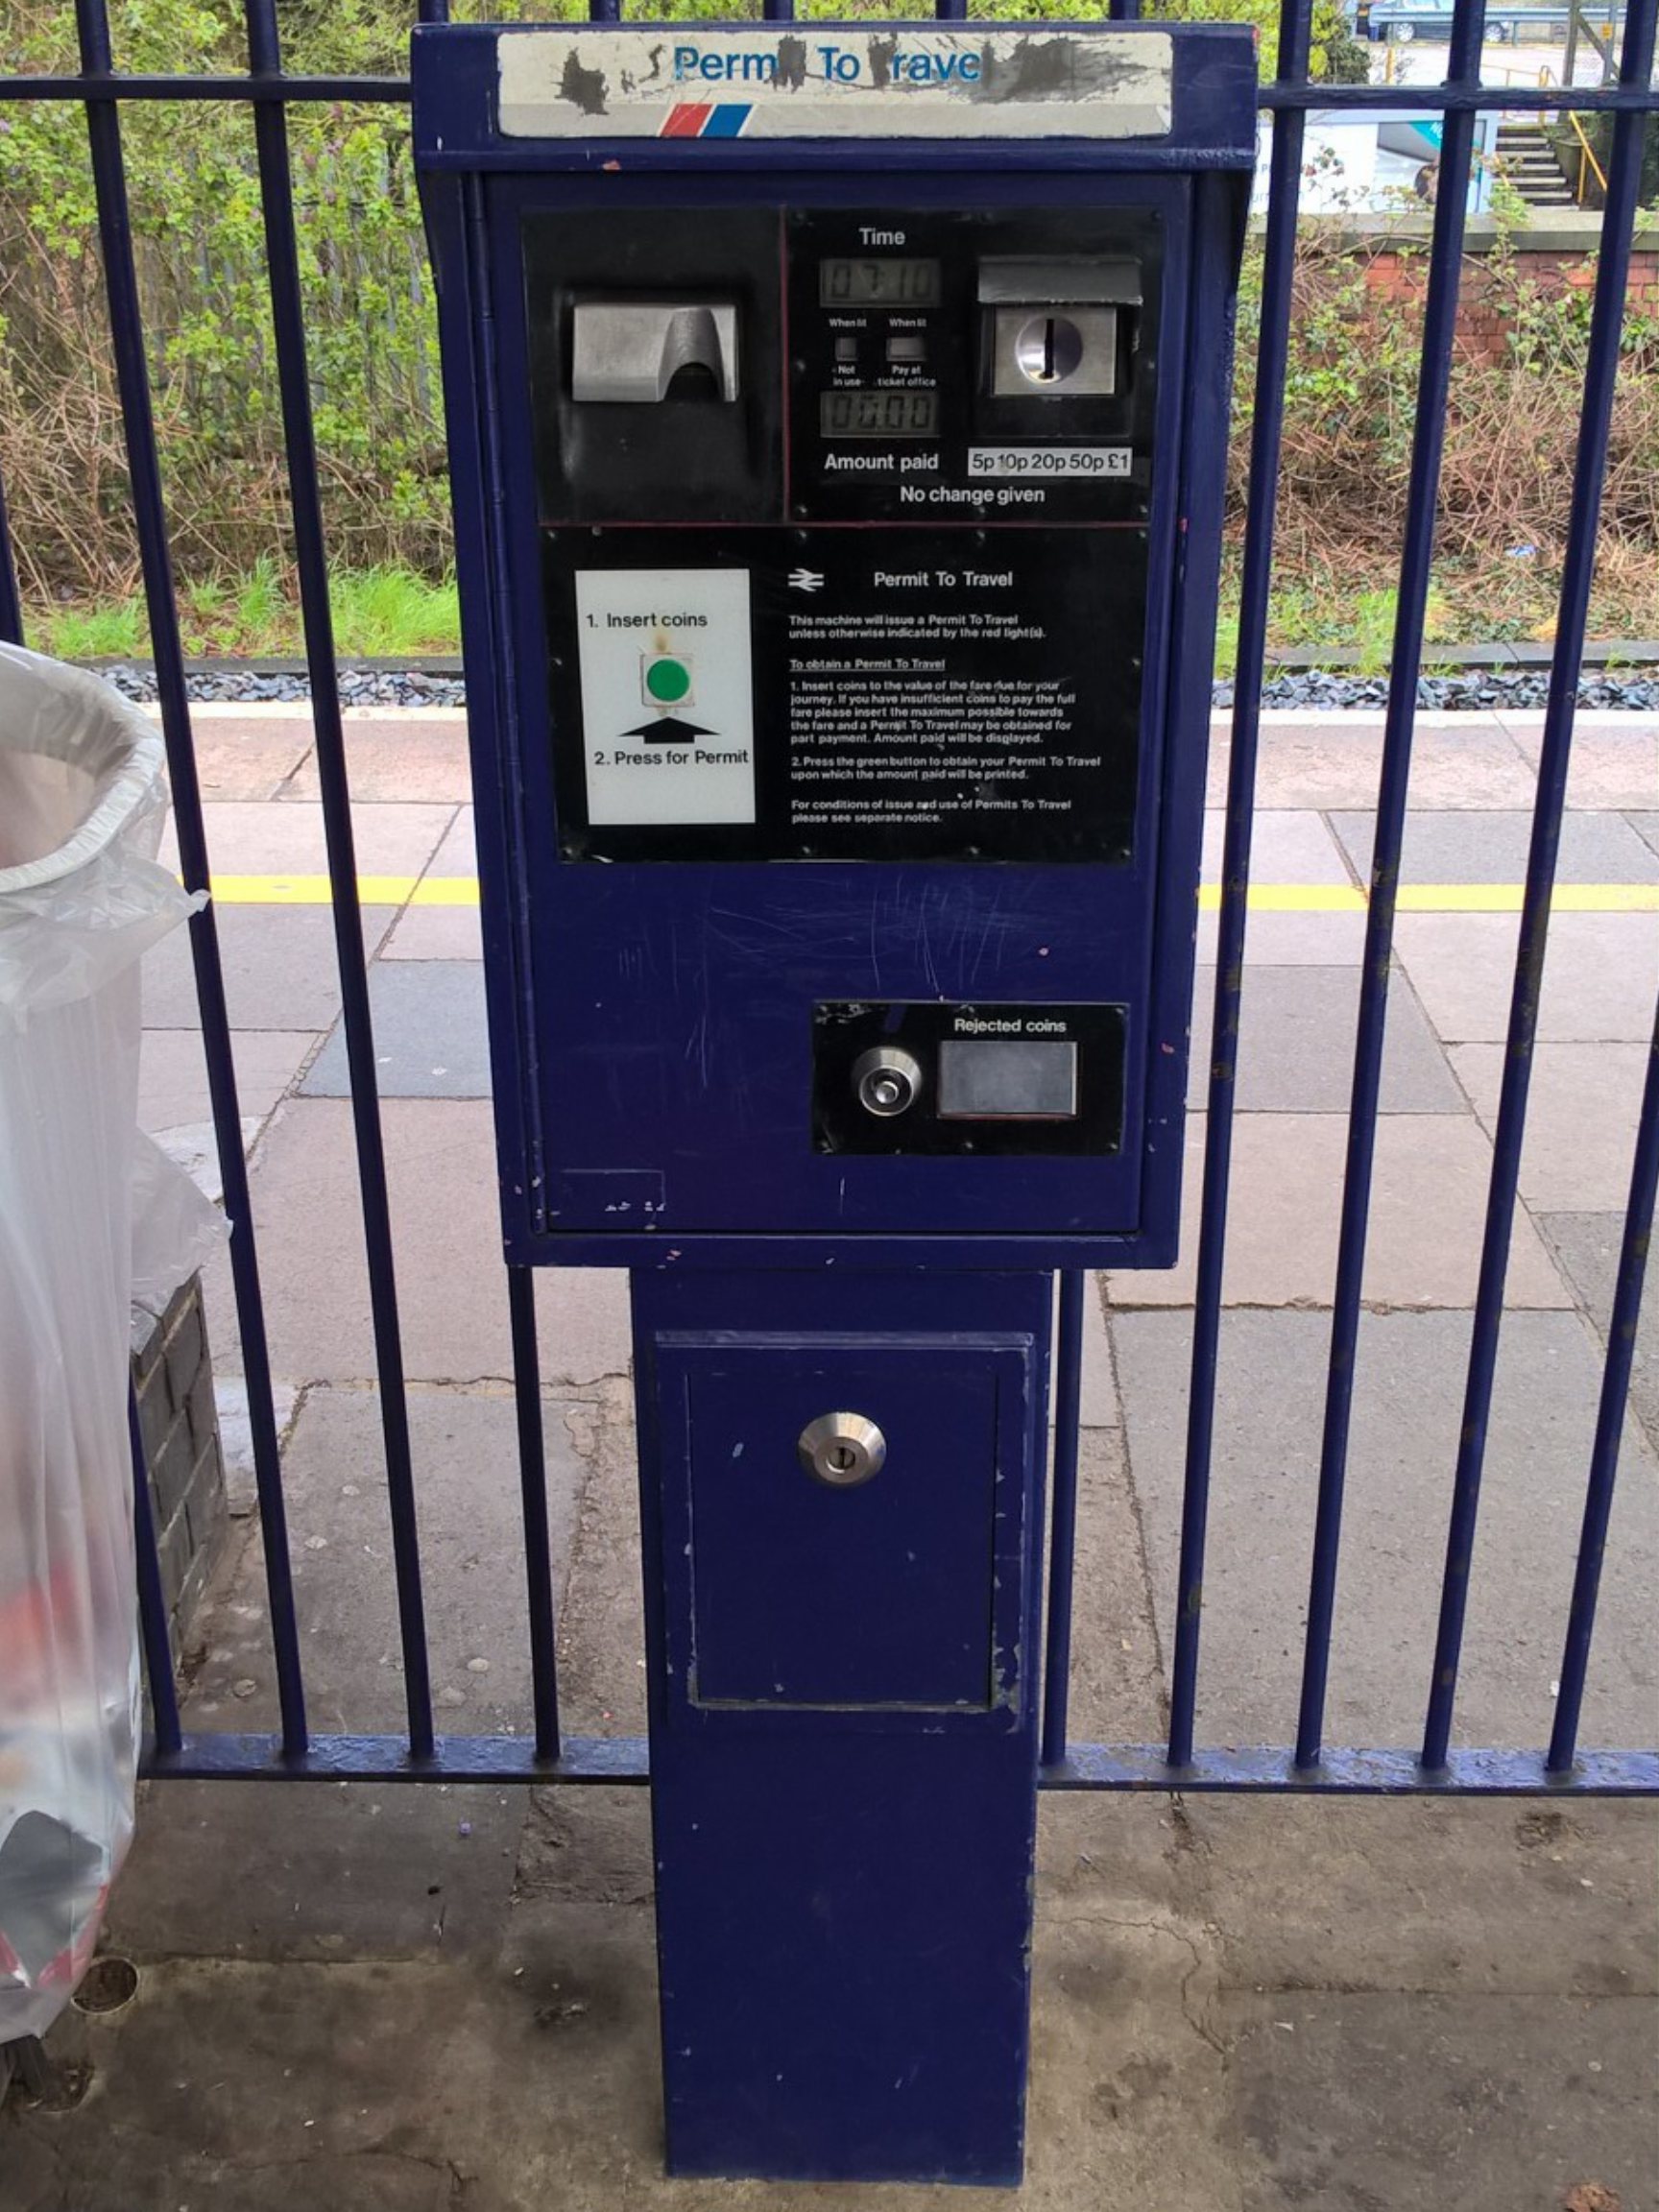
(837, 418)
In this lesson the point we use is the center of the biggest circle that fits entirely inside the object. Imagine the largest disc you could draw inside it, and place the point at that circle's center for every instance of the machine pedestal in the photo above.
(841, 1619)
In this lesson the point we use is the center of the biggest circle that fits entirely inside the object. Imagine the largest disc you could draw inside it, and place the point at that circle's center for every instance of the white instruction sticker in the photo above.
(667, 711)
(1029, 461)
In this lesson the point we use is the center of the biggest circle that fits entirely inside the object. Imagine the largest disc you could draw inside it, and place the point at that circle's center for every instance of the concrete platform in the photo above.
(402, 2000)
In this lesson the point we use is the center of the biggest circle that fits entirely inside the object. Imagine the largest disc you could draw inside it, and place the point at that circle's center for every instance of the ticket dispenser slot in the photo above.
(643, 352)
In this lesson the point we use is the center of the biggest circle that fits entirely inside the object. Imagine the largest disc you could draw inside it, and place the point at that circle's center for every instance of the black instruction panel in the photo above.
(845, 533)
(911, 694)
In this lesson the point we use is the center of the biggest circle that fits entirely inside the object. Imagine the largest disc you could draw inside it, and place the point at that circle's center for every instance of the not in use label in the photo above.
(668, 705)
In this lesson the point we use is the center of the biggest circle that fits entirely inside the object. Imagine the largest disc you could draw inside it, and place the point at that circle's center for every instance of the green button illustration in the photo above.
(667, 681)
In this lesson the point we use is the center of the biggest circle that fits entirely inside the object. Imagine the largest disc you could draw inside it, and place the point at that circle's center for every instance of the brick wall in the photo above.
(1565, 264)
(172, 1376)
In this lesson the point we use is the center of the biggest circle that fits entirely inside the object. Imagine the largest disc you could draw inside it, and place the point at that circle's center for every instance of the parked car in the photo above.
(1398, 21)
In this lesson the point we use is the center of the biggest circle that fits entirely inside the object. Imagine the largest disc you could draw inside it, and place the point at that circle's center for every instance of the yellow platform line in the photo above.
(1265, 898)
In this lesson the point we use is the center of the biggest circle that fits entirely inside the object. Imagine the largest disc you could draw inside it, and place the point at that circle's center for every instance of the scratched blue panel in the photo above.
(843, 1894)
(805, 1594)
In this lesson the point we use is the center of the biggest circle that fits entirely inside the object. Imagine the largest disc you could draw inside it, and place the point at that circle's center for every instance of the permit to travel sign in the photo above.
(800, 82)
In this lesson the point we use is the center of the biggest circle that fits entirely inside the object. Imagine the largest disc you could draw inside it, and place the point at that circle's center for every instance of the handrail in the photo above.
(1586, 153)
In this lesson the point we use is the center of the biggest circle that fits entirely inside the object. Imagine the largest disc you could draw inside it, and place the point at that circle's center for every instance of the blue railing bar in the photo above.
(604, 11)
(311, 560)
(610, 1760)
(152, 1596)
(1633, 1253)
(1272, 357)
(950, 11)
(210, 1755)
(393, 91)
(1590, 462)
(150, 519)
(779, 10)
(1063, 1511)
(1351, 1773)
(432, 12)
(1428, 442)
(11, 601)
(533, 1485)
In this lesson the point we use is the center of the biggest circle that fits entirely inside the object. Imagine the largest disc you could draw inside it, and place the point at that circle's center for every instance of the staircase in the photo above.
(1527, 156)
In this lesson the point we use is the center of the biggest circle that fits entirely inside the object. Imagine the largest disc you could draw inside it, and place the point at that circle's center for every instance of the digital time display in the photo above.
(910, 414)
(879, 281)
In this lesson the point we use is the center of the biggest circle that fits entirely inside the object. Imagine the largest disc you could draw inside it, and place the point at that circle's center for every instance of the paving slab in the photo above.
(444, 933)
(1458, 848)
(359, 1871)
(173, 1073)
(1287, 846)
(391, 755)
(236, 1434)
(1587, 1247)
(440, 1163)
(1383, 2101)
(1097, 1395)
(1614, 761)
(288, 839)
(1646, 826)
(280, 970)
(1601, 976)
(245, 756)
(1337, 760)
(419, 2086)
(1296, 1045)
(1582, 1109)
(431, 1040)
(1290, 940)
(1428, 1205)
(1408, 1407)
(1432, 1893)
(463, 1451)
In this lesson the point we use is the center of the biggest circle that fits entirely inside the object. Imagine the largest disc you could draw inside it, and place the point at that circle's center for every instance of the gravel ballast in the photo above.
(1315, 690)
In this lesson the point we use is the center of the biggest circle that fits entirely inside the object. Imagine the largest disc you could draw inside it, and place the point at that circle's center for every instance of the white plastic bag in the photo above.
(81, 897)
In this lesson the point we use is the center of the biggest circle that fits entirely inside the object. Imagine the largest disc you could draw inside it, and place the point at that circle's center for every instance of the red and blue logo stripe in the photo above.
(705, 119)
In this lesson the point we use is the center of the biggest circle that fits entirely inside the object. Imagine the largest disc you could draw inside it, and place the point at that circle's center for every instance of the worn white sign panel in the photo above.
(700, 80)
(667, 717)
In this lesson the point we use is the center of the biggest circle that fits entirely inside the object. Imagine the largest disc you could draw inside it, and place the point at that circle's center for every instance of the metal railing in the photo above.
(1180, 1760)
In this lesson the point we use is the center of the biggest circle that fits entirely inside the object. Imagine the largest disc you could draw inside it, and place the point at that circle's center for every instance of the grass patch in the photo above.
(381, 612)
(390, 612)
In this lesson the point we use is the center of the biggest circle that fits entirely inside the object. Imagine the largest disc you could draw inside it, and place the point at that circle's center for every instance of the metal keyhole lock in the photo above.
(842, 1450)
(887, 1080)
(1050, 350)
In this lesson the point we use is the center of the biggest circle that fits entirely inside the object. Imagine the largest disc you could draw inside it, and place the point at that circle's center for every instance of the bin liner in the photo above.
(81, 897)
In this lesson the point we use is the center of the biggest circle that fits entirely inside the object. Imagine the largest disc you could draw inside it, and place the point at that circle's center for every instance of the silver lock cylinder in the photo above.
(887, 1079)
(630, 352)
(842, 1450)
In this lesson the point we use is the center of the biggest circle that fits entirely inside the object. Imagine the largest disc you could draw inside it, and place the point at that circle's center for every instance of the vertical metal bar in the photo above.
(11, 601)
(1272, 357)
(604, 11)
(149, 518)
(310, 555)
(777, 11)
(152, 1596)
(950, 11)
(532, 1487)
(1609, 1421)
(1063, 1514)
(1589, 465)
(1428, 442)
